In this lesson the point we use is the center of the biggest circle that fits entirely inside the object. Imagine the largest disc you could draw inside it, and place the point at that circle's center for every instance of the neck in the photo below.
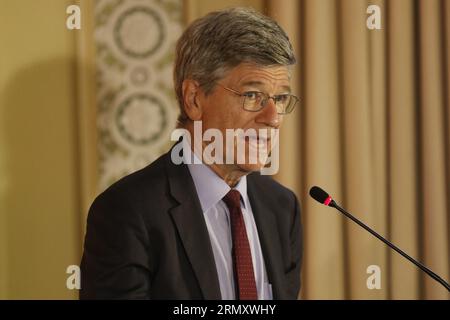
(230, 173)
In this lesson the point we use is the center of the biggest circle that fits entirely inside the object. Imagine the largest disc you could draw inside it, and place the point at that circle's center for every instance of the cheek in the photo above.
(216, 117)
(221, 114)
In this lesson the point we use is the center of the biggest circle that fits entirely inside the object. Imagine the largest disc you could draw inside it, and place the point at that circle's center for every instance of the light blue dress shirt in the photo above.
(211, 189)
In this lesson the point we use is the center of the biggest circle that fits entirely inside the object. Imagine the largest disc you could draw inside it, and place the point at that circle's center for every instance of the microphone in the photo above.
(323, 197)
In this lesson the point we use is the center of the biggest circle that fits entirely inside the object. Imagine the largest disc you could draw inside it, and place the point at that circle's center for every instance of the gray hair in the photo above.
(221, 40)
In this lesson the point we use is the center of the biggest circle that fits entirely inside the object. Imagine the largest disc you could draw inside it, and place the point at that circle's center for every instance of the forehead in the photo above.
(252, 74)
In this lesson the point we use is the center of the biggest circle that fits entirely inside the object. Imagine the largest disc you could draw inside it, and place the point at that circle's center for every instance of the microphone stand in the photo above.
(391, 245)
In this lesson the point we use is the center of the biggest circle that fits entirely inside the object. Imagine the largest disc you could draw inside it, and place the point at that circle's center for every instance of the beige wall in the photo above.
(39, 217)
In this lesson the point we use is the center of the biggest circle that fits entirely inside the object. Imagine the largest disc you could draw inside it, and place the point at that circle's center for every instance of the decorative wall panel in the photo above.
(137, 110)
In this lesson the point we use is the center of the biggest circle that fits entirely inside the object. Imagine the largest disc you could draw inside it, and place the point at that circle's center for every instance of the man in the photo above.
(207, 229)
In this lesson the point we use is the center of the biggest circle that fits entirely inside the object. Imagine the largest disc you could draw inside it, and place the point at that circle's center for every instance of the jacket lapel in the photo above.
(266, 223)
(191, 226)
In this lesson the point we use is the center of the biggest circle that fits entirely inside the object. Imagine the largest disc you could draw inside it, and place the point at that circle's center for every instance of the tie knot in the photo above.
(232, 199)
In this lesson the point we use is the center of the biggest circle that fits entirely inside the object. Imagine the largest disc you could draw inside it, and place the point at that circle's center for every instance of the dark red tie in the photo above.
(242, 256)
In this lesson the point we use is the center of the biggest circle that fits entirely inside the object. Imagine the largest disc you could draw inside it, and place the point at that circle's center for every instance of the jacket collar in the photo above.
(191, 226)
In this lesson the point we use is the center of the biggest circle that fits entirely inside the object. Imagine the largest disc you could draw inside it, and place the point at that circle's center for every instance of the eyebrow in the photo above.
(259, 83)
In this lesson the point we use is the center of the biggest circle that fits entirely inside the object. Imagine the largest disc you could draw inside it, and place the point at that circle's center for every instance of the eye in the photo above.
(252, 95)
(283, 98)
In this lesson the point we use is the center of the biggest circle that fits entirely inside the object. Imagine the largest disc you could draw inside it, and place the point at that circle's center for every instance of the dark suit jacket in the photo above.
(147, 239)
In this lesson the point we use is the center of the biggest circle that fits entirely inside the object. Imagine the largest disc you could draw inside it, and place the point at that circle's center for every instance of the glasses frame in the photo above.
(265, 100)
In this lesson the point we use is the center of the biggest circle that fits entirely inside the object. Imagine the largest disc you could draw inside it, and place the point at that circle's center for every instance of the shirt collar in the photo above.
(210, 187)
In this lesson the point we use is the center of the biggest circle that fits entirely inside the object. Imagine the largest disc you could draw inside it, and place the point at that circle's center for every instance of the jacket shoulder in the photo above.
(146, 181)
(269, 185)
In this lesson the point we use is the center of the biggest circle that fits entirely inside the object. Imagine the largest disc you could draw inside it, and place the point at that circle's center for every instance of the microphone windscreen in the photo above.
(318, 194)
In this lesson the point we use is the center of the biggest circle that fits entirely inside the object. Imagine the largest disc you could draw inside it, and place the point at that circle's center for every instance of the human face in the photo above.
(222, 109)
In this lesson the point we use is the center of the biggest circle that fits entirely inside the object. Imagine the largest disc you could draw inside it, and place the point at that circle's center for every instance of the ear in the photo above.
(192, 107)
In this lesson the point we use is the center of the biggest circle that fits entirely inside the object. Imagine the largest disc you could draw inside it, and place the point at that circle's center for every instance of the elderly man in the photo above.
(207, 229)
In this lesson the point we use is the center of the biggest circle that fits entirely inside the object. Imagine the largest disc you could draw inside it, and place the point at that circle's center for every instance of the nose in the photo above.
(269, 114)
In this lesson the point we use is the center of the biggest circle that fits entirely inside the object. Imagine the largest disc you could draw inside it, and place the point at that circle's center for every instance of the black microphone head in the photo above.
(320, 195)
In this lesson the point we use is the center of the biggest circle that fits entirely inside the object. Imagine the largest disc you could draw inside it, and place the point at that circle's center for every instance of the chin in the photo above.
(252, 163)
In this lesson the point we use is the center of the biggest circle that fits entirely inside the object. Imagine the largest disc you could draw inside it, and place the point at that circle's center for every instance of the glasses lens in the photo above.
(282, 102)
(292, 102)
(253, 101)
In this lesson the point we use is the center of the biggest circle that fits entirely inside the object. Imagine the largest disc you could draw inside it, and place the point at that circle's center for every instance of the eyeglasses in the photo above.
(255, 101)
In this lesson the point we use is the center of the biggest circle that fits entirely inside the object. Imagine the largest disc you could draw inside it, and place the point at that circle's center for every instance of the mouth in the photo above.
(257, 141)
